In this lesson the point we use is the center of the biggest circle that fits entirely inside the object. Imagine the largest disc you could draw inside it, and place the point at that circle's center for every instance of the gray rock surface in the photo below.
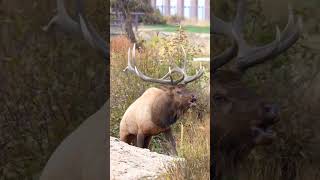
(131, 163)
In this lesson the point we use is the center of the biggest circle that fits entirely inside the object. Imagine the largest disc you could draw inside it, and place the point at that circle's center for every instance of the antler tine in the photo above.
(184, 59)
(171, 71)
(133, 68)
(289, 25)
(238, 22)
(94, 39)
(223, 58)
(63, 20)
(247, 55)
(134, 54)
(221, 27)
(183, 80)
(283, 41)
(160, 81)
(227, 28)
(188, 79)
(81, 28)
(250, 56)
(291, 33)
(89, 33)
(129, 67)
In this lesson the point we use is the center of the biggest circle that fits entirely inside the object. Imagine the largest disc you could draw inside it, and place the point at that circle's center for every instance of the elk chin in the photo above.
(263, 135)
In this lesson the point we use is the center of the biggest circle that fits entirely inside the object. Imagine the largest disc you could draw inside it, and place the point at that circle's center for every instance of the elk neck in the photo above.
(166, 111)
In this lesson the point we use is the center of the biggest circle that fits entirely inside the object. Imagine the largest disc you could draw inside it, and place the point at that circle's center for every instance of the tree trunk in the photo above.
(125, 10)
(129, 29)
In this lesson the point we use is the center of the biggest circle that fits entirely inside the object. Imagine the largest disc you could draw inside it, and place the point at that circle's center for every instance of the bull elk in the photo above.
(242, 120)
(82, 155)
(157, 108)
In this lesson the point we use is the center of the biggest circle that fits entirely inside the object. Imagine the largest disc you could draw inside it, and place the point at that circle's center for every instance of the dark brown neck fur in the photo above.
(165, 111)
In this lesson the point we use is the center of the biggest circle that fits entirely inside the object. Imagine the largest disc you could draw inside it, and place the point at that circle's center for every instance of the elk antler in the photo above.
(82, 27)
(183, 80)
(248, 56)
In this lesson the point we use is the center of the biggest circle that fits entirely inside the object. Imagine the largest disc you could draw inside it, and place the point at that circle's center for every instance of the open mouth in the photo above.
(192, 102)
(263, 134)
(266, 127)
(266, 131)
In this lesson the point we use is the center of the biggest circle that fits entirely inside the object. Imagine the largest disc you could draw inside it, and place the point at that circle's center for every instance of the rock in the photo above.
(130, 163)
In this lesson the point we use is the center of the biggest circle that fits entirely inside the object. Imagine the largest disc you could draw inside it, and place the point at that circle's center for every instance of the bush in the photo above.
(174, 19)
(193, 143)
(169, 49)
(153, 17)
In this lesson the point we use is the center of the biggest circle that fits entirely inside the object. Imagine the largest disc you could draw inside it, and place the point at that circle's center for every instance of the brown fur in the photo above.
(153, 113)
(238, 114)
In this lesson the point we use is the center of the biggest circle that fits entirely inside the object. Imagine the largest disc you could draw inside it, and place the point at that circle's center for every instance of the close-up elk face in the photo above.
(241, 111)
(241, 118)
(183, 96)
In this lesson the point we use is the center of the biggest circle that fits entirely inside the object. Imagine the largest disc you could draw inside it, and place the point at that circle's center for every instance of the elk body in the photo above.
(157, 108)
(241, 119)
(82, 155)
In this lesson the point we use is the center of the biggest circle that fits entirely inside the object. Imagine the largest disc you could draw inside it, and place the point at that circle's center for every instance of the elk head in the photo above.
(175, 88)
(241, 119)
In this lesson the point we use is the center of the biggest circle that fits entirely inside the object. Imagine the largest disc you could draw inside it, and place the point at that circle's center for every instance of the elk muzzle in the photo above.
(193, 100)
(270, 114)
(263, 133)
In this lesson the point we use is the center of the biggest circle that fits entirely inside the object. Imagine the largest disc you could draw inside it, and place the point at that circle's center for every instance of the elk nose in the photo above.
(270, 112)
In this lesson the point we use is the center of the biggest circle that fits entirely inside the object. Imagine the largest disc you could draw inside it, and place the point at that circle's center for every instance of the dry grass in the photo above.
(192, 140)
(194, 147)
(119, 44)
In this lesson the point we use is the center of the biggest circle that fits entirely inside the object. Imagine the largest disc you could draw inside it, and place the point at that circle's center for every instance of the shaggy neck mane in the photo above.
(165, 110)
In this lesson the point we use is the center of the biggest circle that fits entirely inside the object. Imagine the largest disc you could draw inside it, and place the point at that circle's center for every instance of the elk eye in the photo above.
(219, 98)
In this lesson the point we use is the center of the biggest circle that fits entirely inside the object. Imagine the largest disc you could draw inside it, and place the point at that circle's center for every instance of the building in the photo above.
(198, 10)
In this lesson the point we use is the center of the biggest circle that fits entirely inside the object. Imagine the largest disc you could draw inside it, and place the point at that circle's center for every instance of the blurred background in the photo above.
(292, 80)
(49, 83)
(159, 37)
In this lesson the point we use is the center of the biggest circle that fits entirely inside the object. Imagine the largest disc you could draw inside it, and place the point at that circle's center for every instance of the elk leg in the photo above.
(168, 135)
(131, 139)
(147, 141)
(134, 140)
(127, 138)
(140, 140)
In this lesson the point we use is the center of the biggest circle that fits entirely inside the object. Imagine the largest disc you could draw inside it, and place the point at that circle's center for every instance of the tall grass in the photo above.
(191, 131)
(194, 147)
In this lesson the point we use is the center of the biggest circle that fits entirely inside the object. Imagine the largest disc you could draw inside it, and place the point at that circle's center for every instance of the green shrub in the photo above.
(154, 17)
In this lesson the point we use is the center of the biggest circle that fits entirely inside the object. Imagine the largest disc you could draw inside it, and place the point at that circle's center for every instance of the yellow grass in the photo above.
(191, 131)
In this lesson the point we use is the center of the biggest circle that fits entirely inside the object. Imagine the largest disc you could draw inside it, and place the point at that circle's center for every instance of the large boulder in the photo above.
(129, 162)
